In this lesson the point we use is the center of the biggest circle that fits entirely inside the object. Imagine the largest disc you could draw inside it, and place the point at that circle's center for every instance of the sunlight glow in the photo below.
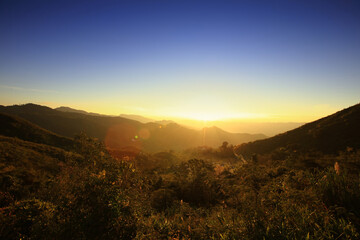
(207, 116)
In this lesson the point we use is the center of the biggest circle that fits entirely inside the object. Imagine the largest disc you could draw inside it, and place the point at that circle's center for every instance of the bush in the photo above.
(196, 183)
(341, 194)
(29, 219)
(162, 199)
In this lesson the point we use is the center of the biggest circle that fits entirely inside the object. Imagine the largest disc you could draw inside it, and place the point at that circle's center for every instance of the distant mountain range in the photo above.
(120, 133)
(135, 117)
(72, 110)
(267, 128)
(44, 125)
(330, 134)
(233, 126)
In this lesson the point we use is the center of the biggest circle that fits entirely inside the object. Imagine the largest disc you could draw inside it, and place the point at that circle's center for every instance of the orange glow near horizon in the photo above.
(210, 117)
(208, 112)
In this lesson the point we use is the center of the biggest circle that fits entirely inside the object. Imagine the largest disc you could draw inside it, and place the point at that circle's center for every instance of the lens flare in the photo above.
(144, 133)
(125, 141)
(122, 142)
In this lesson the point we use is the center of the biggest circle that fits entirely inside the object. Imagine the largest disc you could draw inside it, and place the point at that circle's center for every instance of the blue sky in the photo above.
(270, 60)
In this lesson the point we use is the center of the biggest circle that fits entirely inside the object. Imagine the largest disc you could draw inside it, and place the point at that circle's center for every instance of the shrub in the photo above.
(162, 199)
(27, 219)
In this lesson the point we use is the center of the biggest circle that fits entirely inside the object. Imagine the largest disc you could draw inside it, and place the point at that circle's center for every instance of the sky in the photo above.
(278, 61)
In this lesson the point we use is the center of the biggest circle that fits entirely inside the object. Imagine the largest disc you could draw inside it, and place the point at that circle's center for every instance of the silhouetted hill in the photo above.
(13, 126)
(65, 123)
(137, 118)
(128, 116)
(214, 134)
(26, 166)
(328, 135)
(67, 109)
(164, 122)
(118, 132)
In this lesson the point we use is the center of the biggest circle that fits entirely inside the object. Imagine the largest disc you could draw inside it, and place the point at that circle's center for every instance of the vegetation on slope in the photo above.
(328, 135)
(13, 126)
(91, 195)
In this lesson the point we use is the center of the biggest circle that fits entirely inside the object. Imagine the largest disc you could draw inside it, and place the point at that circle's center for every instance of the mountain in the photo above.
(164, 122)
(330, 134)
(244, 125)
(214, 134)
(68, 109)
(26, 166)
(12, 126)
(128, 116)
(267, 128)
(119, 133)
(137, 118)
(30, 155)
(181, 137)
(67, 123)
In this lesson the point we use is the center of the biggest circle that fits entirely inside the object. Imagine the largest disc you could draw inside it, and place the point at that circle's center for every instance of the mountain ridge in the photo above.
(118, 132)
(69, 109)
(329, 134)
(13, 126)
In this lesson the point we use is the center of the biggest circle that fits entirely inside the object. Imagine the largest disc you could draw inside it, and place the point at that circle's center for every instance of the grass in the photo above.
(48, 193)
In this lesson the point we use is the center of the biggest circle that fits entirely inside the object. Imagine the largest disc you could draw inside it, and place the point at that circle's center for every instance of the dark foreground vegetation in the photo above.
(204, 193)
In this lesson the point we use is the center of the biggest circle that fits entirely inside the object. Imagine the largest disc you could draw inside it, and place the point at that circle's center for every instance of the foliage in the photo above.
(162, 199)
(48, 193)
(88, 196)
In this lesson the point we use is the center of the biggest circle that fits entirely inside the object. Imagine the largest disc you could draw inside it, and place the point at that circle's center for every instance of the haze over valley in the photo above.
(231, 125)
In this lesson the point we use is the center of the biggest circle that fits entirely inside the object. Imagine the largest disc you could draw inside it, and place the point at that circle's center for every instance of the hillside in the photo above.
(25, 166)
(67, 109)
(213, 134)
(137, 118)
(66, 123)
(118, 132)
(327, 135)
(128, 116)
(12, 126)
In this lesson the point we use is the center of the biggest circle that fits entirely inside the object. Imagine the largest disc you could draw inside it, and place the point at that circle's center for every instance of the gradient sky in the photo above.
(267, 60)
